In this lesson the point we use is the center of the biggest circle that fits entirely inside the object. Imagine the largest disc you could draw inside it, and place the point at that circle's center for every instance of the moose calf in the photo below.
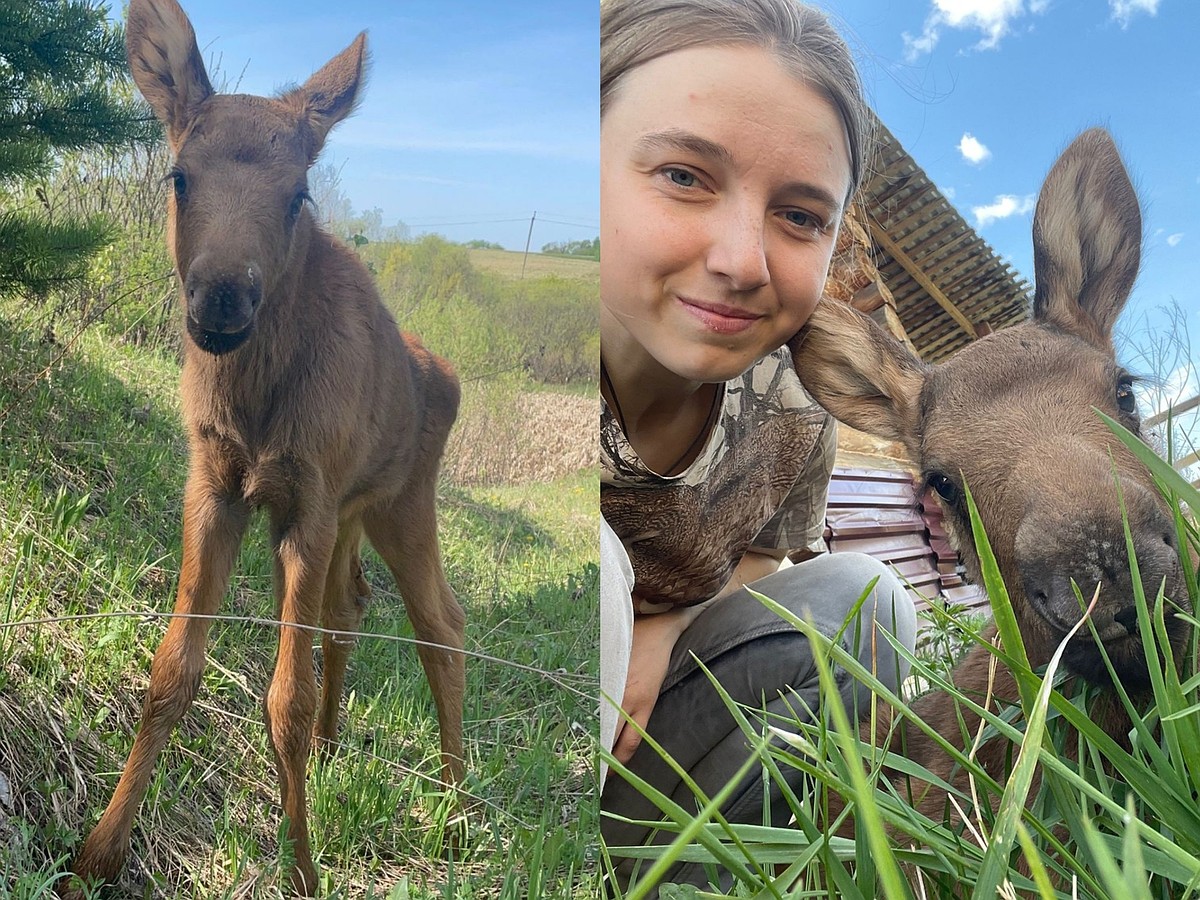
(1012, 415)
(299, 395)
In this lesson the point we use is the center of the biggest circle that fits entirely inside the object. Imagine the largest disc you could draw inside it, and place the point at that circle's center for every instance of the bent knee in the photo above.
(848, 576)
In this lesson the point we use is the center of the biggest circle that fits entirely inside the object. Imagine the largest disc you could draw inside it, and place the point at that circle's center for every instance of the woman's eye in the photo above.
(802, 219)
(681, 177)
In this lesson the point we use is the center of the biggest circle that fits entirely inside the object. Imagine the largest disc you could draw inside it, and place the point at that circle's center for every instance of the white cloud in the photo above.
(1123, 11)
(991, 17)
(973, 150)
(1174, 239)
(947, 192)
(1002, 207)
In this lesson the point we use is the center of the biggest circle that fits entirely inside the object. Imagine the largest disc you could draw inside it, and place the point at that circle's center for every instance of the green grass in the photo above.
(92, 461)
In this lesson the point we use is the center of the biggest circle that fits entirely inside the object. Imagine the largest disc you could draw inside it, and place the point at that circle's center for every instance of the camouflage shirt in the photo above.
(760, 482)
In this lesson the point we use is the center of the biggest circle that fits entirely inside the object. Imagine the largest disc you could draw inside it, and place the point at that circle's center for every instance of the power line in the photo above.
(435, 224)
(571, 216)
(571, 224)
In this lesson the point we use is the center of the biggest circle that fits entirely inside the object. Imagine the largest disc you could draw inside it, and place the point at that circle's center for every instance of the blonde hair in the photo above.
(633, 32)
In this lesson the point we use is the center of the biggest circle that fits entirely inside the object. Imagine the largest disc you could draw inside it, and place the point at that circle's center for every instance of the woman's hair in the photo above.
(633, 32)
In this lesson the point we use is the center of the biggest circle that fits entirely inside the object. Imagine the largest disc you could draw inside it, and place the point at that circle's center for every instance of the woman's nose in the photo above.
(738, 250)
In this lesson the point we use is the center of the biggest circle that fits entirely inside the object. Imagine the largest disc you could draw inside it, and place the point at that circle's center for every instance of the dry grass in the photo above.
(534, 437)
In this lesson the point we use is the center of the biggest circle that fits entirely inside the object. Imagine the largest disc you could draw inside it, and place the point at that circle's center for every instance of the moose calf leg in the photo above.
(303, 554)
(346, 597)
(405, 535)
(212, 530)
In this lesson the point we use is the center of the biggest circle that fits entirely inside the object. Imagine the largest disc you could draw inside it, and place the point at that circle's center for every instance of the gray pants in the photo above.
(762, 662)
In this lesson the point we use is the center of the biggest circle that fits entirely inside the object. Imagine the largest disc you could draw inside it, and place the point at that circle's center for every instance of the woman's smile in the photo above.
(720, 318)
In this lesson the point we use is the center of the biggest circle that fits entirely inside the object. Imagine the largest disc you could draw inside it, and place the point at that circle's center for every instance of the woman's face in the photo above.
(722, 180)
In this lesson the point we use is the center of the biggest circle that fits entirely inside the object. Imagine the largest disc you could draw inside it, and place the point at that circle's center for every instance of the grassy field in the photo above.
(92, 462)
(509, 263)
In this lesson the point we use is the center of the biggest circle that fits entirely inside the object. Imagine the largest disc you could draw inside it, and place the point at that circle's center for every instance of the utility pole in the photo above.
(528, 238)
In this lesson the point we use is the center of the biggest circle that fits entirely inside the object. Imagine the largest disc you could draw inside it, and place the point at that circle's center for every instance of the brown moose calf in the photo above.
(1013, 416)
(299, 395)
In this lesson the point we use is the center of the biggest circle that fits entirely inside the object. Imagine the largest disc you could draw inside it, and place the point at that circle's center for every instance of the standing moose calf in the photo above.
(299, 395)
(1013, 416)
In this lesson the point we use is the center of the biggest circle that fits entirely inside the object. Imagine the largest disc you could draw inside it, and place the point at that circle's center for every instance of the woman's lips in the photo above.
(718, 317)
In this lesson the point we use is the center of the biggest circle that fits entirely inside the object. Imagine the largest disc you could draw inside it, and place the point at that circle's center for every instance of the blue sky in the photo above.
(475, 113)
(1022, 78)
(478, 114)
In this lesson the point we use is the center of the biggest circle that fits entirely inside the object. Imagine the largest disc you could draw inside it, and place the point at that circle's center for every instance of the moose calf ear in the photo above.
(166, 64)
(331, 93)
(1087, 238)
(860, 373)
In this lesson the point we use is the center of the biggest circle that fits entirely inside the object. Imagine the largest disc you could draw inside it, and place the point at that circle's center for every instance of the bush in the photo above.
(556, 323)
(547, 327)
(64, 88)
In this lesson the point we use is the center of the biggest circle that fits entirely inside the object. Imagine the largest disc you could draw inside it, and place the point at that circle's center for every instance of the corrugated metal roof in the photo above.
(918, 236)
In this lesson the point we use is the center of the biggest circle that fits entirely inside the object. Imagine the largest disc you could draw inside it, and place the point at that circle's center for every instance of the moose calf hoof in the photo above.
(456, 837)
(78, 886)
(304, 880)
(323, 748)
(89, 871)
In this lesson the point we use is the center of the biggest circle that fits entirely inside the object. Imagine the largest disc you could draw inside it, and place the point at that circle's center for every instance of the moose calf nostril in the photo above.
(1129, 618)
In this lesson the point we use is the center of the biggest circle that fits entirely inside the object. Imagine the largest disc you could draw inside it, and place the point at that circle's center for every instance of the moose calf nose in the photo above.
(1129, 618)
(223, 301)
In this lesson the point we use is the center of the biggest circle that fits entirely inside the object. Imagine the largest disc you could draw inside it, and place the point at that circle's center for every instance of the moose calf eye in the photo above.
(945, 488)
(1125, 399)
(179, 180)
(297, 204)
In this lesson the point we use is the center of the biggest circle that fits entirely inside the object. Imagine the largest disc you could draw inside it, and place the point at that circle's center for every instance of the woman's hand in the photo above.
(653, 639)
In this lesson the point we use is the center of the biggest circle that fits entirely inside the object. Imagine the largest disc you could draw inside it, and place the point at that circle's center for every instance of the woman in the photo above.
(733, 136)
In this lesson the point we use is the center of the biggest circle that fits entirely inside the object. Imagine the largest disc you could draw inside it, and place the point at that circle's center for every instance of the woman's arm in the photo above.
(753, 565)
(654, 638)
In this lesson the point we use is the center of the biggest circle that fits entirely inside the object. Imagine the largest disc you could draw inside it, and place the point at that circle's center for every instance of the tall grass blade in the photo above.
(1002, 611)
(1012, 804)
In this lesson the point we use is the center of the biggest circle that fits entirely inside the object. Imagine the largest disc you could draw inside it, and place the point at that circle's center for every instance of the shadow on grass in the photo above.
(69, 426)
(489, 522)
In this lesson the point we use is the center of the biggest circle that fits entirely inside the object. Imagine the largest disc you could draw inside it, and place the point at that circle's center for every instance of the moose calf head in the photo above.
(239, 182)
(1013, 416)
